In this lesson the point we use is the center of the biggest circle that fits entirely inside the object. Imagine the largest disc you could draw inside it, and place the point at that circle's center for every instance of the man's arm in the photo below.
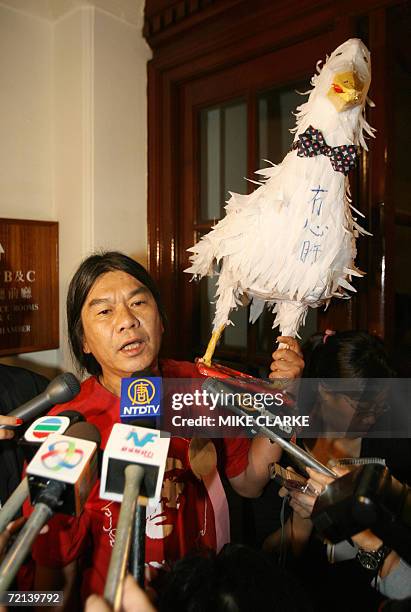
(58, 579)
(287, 364)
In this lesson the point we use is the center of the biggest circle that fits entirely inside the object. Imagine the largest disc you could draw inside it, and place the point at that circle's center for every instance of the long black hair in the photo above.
(354, 363)
(346, 354)
(89, 271)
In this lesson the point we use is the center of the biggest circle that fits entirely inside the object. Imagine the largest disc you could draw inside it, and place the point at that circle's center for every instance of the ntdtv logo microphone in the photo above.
(140, 397)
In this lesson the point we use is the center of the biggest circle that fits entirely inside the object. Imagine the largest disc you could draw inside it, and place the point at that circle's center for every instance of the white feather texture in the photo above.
(290, 244)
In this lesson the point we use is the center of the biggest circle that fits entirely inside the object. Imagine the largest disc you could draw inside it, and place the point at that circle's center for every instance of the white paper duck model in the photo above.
(291, 243)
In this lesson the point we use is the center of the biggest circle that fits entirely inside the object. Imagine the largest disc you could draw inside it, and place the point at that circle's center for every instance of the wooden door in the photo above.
(220, 64)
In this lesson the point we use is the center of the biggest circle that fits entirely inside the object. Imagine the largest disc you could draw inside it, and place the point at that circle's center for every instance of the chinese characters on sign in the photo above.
(311, 246)
(28, 286)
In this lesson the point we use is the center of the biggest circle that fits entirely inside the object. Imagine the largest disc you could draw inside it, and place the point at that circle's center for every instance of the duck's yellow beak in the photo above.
(346, 91)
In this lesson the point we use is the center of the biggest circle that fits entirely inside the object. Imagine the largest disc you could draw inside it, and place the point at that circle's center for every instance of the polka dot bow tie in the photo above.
(312, 143)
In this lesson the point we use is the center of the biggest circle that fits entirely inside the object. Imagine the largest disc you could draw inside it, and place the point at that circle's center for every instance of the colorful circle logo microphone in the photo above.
(62, 454)
(141, 391)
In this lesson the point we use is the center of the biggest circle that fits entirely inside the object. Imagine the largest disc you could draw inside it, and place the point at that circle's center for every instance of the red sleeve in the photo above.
(66, 539)
(236, 456)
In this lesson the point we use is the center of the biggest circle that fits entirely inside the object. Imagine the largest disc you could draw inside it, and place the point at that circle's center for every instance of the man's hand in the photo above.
(287, 362)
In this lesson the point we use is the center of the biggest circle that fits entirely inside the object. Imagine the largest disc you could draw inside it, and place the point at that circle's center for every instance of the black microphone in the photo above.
(74, 416)
(368, 497)
(62, 389)
(63, 490)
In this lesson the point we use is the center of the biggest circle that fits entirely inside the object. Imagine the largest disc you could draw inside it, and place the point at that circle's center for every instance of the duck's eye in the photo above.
(337, 54)
(365, 59)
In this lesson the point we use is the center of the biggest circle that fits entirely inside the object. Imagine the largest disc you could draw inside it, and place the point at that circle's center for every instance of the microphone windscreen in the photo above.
(84, 431)
(73, 415)
(63, 388)
(146, 372)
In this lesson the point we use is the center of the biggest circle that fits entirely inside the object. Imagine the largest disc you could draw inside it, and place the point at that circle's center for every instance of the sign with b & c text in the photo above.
(29, 298)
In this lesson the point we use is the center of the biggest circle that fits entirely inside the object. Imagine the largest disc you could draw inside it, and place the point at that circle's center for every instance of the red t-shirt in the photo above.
(183, 520)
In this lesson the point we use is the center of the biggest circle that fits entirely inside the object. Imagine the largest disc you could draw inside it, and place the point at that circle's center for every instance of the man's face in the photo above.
(122, 327)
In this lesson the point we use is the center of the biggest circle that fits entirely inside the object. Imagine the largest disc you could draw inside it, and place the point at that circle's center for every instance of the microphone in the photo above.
(74, 416)
(44, 426)
(368, 497)
(62, 389)
(268, 403)
(33, 438)
(140, 405)
(70, 461)
(140, 401)
(216, 387)
(134, 459)
(60, 476)
(126, 445)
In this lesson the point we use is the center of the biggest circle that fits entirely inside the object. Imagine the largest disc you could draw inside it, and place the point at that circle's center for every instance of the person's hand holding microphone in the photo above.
(11, 423)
